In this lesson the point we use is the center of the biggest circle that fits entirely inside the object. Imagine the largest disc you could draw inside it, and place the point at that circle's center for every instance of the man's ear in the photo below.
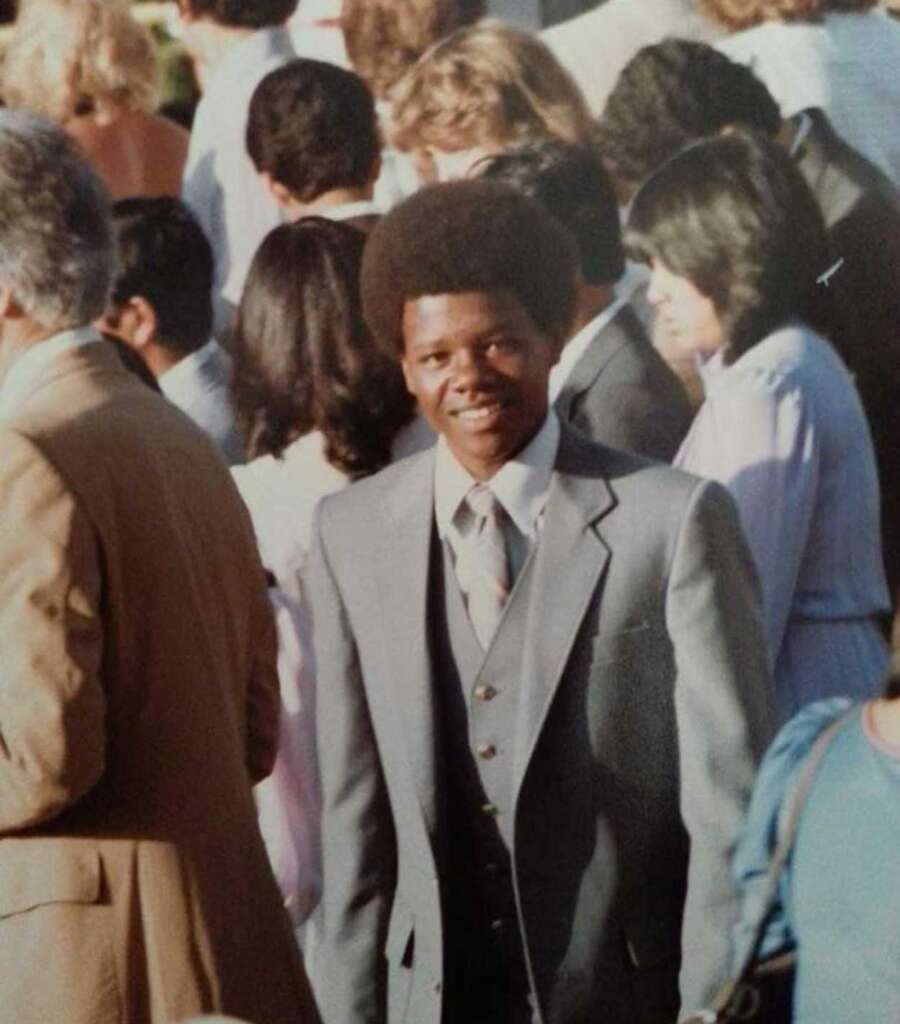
(134, 322)
(277, 191)
(10, 309)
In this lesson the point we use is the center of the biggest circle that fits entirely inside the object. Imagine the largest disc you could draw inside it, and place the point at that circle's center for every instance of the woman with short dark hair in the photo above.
(741, 277)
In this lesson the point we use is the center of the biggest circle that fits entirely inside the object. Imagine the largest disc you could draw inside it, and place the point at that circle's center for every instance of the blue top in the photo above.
(783, 429)
(840, 893)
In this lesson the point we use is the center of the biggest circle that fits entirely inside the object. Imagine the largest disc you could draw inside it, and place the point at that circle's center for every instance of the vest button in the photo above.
(490, 810)
(486, 751)
(485, 693)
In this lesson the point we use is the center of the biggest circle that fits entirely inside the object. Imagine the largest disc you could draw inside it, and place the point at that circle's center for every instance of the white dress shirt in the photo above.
(31, 364)
(521, 485)
(577, 345)
(846, 64)
(221, 185)
(199, 385)
(346, 211)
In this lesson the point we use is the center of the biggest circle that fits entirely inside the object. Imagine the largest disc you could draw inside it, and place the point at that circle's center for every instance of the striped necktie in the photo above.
(489, 584)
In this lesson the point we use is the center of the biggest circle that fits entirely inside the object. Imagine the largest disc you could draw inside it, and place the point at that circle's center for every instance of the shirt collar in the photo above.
(31, 364)
(521, 485)
(174, 380)
(579, 343)
(344, 211)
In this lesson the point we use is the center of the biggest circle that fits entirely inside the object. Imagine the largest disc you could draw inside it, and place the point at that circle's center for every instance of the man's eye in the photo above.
(432, 359)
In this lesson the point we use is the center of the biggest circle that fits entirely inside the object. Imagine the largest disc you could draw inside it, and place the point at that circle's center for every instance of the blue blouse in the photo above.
(840, 894)
(783, 429)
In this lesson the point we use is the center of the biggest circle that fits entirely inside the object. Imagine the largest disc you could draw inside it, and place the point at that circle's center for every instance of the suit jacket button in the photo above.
(486, 751)
(490, 810)
(485, 693)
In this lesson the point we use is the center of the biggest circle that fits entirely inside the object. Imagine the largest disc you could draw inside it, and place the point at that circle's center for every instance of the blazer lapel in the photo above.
(405, 559)
(569, 562)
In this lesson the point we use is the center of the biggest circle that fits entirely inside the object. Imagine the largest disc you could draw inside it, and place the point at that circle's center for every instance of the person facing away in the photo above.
(139, 699)
(312, 135)
(678, 92)
(504, 625)
(609, 382)
(234, 44)
(160, 307)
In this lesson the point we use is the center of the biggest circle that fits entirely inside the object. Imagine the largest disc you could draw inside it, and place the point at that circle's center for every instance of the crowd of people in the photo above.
(450, 512)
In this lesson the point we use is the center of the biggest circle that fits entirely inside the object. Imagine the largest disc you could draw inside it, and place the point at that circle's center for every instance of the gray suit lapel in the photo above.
(568, 564)
(404, 582)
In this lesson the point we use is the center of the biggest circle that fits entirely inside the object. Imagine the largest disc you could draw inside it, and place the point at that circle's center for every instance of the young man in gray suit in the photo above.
(610, 382)
(542, 685)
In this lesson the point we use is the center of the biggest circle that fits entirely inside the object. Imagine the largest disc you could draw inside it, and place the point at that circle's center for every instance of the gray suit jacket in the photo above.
(623, 394)
(645, 704)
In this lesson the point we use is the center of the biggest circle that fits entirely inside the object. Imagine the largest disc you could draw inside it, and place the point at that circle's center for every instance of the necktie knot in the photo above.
(483, 503)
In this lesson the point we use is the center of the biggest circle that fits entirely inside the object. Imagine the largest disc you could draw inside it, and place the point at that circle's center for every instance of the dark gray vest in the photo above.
(478, 700)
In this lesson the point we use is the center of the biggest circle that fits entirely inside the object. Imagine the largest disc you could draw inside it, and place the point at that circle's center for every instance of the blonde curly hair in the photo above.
(68, 57)
(488, 84)
(736, 15)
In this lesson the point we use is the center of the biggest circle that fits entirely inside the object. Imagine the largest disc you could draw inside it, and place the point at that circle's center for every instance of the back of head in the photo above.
(467, 236)
(55, 233)
(489, 85)
(672, 94)
(571, 184)
(385, 38)
(734, 216)
(68, 57)
(303, 357)
(311, 127)
(736, 15)
(244, 13)
(164, 257)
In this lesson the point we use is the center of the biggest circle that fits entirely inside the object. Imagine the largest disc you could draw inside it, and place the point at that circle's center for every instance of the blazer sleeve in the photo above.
(52, 703)
(725, 718)
(263, 691)
(358, 840)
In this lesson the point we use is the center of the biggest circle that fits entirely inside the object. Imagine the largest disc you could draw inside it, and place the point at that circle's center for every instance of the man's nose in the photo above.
(469, 370)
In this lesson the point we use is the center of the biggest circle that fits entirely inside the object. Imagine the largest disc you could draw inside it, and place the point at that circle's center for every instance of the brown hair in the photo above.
(71, 56)
(740, 14)
(487, 85)
(385, 38)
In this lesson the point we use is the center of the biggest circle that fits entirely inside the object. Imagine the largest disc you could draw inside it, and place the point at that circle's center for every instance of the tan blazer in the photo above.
(138, 700)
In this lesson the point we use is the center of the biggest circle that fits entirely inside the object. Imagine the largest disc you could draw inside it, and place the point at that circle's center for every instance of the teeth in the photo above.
(477, 415)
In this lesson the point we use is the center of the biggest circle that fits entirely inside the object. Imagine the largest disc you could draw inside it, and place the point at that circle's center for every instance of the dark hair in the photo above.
(570, 183)
(672, 94)
(164, 256)
(311, 126)
(734, 216)
(303, 358)
(386, 37)
(463, 236)
(244, 13)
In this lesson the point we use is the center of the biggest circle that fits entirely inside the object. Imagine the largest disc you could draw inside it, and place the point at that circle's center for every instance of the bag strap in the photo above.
(787, 831)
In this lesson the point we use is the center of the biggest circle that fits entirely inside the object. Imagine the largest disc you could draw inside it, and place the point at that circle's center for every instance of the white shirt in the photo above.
(577, 345)
(845, 64)
(221, 185)
(31, 364)
(199, 384)
(346, 211)
(521, 485)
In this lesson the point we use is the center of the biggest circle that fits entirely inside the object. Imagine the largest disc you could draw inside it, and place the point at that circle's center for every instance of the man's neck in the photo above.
(328, 201)
(590, 302)
(160, 358)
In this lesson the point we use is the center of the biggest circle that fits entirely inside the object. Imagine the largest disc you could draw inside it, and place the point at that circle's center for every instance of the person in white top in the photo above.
(384, 38)
(233, 43)
(160, 308)
(312, 135)
(837, 55)
(320, 405)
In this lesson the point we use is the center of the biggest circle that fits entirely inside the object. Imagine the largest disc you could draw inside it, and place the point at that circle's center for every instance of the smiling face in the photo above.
(687, 316)
(478, 366)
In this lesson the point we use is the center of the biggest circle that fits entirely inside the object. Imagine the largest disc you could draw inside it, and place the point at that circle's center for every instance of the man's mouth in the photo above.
(479, 414)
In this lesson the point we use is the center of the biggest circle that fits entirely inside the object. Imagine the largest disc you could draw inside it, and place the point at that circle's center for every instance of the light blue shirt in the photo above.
(783, 429)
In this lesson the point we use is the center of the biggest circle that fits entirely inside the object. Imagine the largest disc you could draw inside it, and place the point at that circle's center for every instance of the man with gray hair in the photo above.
(138, 693)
